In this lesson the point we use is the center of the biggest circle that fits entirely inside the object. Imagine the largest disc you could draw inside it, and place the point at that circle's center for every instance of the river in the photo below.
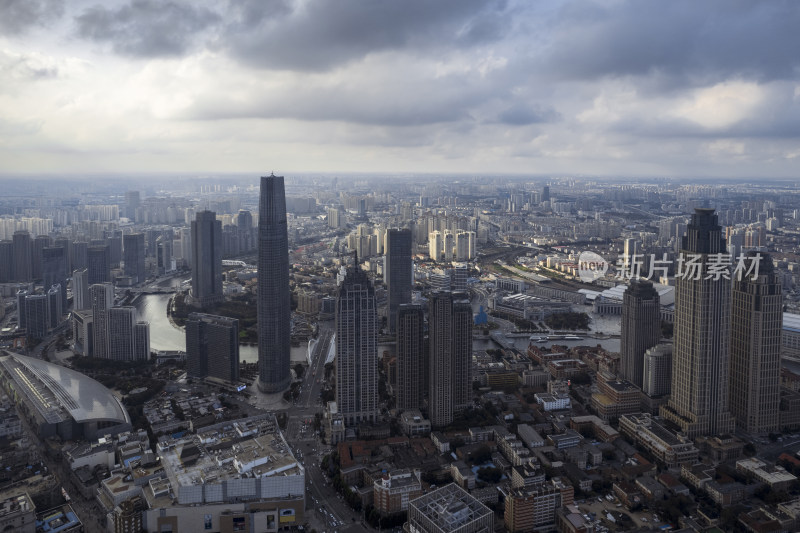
(165, 336)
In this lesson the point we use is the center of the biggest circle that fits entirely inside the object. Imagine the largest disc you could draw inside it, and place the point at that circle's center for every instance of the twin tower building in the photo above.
(727, 336)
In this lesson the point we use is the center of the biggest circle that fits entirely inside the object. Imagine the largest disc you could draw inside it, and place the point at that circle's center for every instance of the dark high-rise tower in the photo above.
(6, 261)
(244, 224)
(23, 258)
(39, 243)
(133, 257)
(54, 272)
(397, 264)
(206, 258)
(212, 347)
(641, 328)
(98, 259)
(356, 348)
(132, 201)
(756, 328)
(274, 307)
(79, 251)
(102, 297)
(410, 354)
(700, 360)
(450, 333)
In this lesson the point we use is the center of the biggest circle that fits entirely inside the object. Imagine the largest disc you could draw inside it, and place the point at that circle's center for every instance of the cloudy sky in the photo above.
(633, 88)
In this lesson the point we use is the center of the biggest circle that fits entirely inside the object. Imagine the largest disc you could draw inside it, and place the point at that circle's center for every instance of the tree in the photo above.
(299, 370)
(749, 450)
(581, 378)
(480, 456)
(490, 474)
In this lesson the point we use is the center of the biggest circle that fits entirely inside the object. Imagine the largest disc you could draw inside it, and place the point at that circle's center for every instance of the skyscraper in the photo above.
(80, 290)
(79, 251)
(657, 379)
(274, 307)
(21, 315)
(54, 305)
(37, 319)
(398, 272)
(54, 272)
(212, 347)
(141, 339)
(133, 256)
(450, 345)
(102, 297)
(756, 328)
(23, 259)
(641, 328)
(121, 338)
(206, 258)
(244, 224)
(165, 255)
(630, 257)
(39, 243)
(435, 245)
(410, 352)
(132, 201)
(700, 360)
(356, 348)
(6, 261)
(98, 259)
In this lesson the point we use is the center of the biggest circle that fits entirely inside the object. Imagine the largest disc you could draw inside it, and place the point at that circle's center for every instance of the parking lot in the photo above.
(602, 508)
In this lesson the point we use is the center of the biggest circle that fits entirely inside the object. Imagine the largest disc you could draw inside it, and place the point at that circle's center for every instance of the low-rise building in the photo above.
(530, 436)
(531, 508)
(776, 477)
(18, 514)
(527, 475)
(393, 491)
(668, 448)
(553, 402)
(568, 439)
(61, 519)
(413, 424)
(449, 509)
(463, 475)
(615, 397)
(602, 431)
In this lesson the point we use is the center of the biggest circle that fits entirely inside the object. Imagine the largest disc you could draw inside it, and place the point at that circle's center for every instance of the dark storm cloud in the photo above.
(322, 34)
(18, 16)
(523, 115)
(146, 28)
(683, 41)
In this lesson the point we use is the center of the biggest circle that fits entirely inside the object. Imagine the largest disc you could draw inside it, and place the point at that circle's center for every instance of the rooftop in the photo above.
(15, 504)
(59, 392)
(195, 460)
(450, 507)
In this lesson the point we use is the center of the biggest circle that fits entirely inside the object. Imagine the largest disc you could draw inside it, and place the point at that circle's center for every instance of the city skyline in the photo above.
(510, 371)
(582, 87)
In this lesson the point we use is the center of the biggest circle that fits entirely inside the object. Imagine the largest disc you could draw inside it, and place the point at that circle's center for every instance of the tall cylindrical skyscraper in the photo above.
(274, 309)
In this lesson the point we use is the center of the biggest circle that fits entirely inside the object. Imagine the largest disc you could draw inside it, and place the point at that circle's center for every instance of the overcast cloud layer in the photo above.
(636, 88)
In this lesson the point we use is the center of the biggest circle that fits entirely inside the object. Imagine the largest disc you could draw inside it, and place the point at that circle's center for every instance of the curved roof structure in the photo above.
(58, 391)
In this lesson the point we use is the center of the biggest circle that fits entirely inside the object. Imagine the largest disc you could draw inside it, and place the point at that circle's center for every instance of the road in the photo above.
(330, 512)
